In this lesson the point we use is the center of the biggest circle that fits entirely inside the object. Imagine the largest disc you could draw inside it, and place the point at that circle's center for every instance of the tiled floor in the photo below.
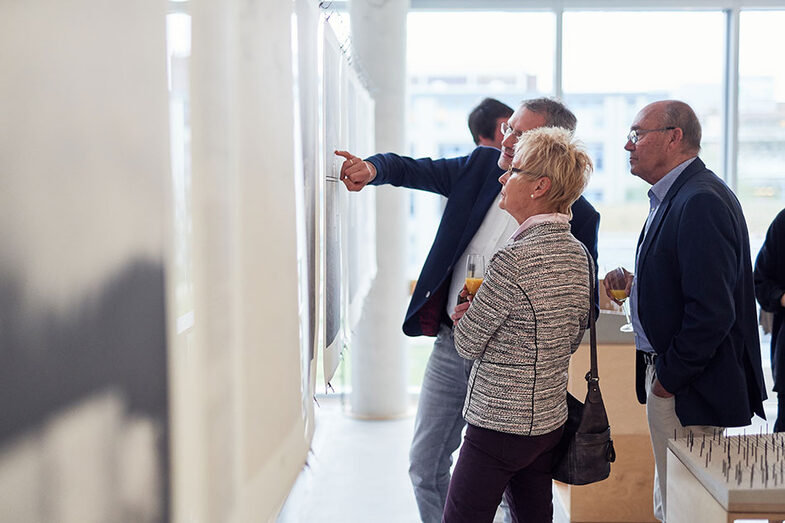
(357, 470)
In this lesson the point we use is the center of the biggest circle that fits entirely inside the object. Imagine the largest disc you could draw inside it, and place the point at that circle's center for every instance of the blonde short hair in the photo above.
(553, 152)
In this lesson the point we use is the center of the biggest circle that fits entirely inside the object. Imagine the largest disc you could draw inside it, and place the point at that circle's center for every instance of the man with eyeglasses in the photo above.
(472, 223)
(698, 364)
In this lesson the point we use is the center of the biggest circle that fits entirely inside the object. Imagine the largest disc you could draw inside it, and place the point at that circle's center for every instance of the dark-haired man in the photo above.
(485, 122)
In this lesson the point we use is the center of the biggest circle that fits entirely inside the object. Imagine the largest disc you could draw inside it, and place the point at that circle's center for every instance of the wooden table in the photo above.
(700, 489)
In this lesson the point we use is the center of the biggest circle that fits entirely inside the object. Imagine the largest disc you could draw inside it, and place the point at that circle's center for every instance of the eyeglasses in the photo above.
(506, 130)
(521, 171)
(635, 134)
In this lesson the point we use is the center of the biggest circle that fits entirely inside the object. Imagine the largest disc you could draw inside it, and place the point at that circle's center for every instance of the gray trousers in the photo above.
(438, 425)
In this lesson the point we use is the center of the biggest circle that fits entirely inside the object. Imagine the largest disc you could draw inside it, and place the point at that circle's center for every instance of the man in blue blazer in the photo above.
(698, 364)
(471, 223)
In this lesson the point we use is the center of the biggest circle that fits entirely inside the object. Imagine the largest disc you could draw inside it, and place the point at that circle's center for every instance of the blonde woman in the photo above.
(527, 319)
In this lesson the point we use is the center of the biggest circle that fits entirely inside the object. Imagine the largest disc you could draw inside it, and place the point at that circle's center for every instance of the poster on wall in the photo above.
(333, 137)
(350, 218)
(84, 413)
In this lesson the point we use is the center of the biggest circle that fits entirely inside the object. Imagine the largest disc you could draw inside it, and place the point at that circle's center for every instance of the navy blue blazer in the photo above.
(769, 274)
(470, 184)
(696, 303)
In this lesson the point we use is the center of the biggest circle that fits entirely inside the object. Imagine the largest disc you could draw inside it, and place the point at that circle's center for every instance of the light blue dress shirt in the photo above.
(656, 195)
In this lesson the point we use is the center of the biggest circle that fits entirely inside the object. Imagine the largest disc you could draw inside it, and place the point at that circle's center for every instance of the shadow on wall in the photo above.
(83, 403)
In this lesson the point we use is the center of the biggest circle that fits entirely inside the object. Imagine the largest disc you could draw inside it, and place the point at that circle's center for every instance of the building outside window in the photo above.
(613, 63)
(761, 146)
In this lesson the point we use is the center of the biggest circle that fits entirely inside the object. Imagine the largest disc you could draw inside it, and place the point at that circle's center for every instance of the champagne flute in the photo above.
(475, 272)
(619, 292)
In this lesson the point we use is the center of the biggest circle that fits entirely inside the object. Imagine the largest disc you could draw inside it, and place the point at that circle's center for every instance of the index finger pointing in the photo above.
(346, 155)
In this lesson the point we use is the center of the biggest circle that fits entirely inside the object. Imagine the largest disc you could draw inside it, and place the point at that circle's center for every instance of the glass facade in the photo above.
(761, 130)
(613, 63)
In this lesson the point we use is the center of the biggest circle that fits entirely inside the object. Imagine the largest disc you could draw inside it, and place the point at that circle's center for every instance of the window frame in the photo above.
(731, 10)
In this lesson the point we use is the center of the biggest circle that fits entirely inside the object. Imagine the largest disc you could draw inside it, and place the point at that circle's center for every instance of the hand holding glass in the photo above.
(617, 284)
(475, 272)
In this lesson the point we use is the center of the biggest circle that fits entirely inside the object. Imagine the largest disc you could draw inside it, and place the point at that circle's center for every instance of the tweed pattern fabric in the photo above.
(526, 320)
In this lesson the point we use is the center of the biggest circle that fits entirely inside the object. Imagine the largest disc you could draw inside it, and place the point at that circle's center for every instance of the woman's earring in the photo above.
(532, 196)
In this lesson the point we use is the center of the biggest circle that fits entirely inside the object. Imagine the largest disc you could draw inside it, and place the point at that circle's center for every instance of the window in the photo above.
(614, 64)
(178, 26)
(450, 73)
(455, 59)
(761, 145)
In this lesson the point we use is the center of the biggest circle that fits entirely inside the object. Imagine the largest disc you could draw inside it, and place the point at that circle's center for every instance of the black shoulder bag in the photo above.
(585, 452)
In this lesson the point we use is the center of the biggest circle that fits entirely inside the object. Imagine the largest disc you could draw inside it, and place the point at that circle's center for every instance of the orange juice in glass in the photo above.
(620, 295)
(472, 284)
(475, 272)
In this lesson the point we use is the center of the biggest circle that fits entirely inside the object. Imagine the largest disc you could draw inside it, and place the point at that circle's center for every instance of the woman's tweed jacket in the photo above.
(527, 319)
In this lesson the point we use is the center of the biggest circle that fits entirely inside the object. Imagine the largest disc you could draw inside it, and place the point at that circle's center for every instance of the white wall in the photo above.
(158, 316)
(240, 448)
(83, 176)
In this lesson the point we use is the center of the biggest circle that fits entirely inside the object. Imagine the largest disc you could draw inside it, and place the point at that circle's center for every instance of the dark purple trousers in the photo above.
(491, 462)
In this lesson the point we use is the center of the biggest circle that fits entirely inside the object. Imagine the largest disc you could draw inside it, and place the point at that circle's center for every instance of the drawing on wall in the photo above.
(350, 219)
(333, 139)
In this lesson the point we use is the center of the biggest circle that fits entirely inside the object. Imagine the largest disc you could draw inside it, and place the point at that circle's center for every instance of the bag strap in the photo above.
(593, 374)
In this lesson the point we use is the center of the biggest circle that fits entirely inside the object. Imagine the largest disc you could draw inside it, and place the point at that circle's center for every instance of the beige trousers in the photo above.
(663, 423)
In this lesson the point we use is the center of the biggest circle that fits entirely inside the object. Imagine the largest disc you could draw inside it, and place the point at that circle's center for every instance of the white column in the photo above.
(379, 349)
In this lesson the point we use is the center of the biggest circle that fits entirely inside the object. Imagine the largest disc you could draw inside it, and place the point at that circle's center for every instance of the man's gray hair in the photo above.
(556, 113)
(679, 114)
